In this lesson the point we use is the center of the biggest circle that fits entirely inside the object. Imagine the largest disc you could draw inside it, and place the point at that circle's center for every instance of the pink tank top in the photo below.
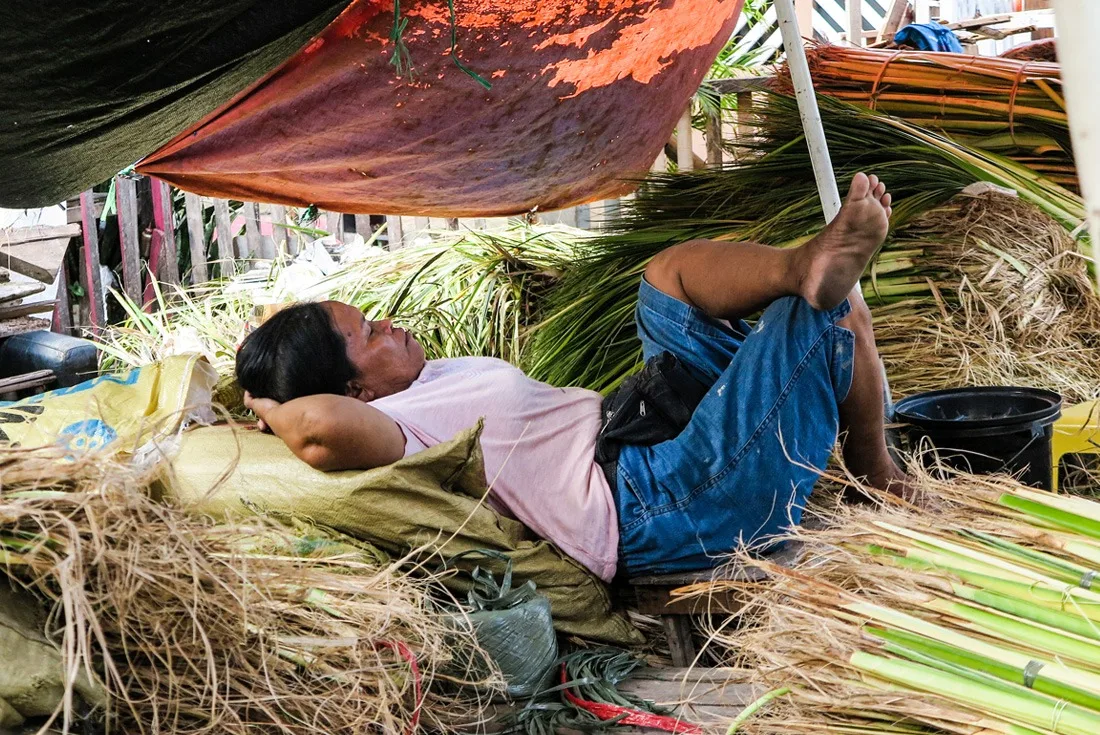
(539, 444)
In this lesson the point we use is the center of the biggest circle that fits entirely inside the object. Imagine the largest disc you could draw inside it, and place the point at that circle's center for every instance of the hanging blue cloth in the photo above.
(928, 37)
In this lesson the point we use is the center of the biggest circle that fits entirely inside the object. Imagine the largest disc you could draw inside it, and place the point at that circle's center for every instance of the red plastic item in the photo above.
(635, 717)
(406, 653)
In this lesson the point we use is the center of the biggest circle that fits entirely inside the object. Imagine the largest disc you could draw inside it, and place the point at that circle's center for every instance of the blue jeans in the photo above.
(742, 469)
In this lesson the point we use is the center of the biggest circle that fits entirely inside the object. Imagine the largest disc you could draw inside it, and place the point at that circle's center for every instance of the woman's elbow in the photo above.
(319, 457)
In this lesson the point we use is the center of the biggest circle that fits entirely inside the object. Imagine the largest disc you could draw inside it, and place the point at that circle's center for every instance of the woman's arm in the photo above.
(330, 432)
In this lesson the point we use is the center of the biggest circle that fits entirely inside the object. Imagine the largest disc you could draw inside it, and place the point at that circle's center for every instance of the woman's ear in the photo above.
(359, 391)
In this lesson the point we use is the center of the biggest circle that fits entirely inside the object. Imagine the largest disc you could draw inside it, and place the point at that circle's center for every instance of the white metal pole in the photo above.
(807, 109)
(855, 22)
(685, 155)
(1078, 24)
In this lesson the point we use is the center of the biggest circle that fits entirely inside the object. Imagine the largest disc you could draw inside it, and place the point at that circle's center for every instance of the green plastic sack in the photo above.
(429, 502)
(513, 627)
(32, 679)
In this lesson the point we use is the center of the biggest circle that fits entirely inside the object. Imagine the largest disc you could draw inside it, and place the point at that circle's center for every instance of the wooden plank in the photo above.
(164, 234)
(20, 235)
(736, 85)
(363, 226)
(681, 647)
(395, 232)
(10, 312)
(251, 213)
(855, 22)
(22, 325)
(63, 313)
(894, 17)
(226, 251)
(19, 289)
(334, 224)
(34, 379)
(39, 260)
(129, 239)
(744, 127)
(279, 232)
(685, 157)
(804, 11)
(715, 154)
(196, 236)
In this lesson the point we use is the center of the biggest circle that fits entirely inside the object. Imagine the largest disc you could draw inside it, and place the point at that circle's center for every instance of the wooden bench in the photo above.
(653, 596)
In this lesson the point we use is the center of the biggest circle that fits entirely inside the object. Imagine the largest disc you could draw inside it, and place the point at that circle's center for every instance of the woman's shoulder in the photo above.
(435, 369)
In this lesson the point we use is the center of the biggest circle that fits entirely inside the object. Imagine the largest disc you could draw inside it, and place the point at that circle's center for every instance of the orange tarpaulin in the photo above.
(584, 95)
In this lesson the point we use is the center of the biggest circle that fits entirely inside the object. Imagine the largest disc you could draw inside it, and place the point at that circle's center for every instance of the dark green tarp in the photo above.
(88, 88)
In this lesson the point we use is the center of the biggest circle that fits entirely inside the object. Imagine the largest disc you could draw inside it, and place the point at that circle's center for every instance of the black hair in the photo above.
(297, 352)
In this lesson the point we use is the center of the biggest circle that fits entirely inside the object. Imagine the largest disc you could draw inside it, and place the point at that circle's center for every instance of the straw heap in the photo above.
(973, 615)
(996, 295)
(195, 627)
(1006, 106)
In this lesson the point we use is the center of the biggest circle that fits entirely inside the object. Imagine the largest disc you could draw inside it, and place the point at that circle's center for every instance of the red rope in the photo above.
(406, 653)
(636, 717)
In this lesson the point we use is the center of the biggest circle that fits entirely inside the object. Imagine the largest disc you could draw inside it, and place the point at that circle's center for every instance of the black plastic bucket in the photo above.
(985, 430)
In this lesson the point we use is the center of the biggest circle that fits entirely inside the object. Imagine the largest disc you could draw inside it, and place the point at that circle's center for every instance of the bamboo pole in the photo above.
(807, 108)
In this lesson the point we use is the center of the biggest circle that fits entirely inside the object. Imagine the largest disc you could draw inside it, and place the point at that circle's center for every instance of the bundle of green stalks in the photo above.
(1005, 106)
(464, 293)
(972, 615)
(587, 334)
(194, 627)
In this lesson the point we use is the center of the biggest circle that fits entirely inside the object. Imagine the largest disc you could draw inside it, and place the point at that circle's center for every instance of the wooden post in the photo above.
(923, 10)
(395, 233)
(226, 247)
(894, 16)
(129, 236)
(196, 234)
(165, 253)
(62, 321)
(251, 212)
(334, 224)
(804, 10)
(744, 116)
(279, 233)
(855, 22)
(685, 158)
(714, 141)
(93, 286)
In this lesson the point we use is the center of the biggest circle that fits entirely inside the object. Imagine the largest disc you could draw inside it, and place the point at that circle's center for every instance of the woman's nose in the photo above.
(386, 325)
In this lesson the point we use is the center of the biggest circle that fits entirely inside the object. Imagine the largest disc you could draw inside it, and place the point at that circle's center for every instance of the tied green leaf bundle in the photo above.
(974, 614)
(587, 338)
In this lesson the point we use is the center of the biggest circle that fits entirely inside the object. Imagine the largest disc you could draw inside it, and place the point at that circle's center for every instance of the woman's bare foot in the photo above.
(832, 263)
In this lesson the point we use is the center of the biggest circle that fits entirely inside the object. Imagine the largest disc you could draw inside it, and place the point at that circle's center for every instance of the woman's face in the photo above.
(387, 358)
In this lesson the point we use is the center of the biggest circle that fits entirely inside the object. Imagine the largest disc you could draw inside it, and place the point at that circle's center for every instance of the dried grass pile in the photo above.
(195, 627)
(972, 615)
(1007, 300)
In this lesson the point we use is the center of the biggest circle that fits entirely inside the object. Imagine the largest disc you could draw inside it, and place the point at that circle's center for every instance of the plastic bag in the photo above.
(513, 627)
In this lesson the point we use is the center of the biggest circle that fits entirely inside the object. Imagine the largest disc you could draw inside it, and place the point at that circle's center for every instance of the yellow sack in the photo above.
(123, 411)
